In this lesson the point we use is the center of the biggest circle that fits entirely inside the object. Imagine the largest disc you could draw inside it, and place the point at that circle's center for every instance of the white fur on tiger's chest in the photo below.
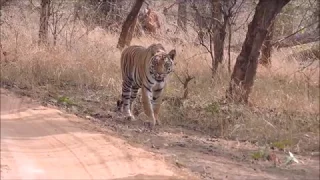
(158, 85)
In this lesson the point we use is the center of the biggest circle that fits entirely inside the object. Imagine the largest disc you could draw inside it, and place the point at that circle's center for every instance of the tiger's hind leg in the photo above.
(126, 98)
(134, 93)
(119, 106)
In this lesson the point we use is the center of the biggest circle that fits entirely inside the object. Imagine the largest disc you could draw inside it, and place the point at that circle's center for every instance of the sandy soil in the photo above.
(42, 142)
(39, 142)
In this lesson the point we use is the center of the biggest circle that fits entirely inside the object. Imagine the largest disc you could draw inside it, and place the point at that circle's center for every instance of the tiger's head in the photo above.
(162, 64)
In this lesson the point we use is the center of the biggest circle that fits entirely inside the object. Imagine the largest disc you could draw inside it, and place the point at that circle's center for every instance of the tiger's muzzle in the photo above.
(159, 77)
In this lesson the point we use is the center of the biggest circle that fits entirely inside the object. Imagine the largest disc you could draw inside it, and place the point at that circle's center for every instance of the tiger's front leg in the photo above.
(147, 106)
(156, 101)
(126, 99)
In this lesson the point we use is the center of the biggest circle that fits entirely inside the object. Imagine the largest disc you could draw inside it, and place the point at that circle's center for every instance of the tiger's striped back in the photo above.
(133, 60)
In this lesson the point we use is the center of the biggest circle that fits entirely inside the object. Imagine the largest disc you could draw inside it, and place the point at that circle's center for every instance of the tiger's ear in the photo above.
(172, 54)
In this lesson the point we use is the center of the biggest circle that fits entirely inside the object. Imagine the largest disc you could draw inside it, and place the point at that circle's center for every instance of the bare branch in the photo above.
(297, 31)
(249, 15)
(165, 9)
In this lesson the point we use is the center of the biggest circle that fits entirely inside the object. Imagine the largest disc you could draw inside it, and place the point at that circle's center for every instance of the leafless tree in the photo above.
(129, 25)
(230, 13)
(107, 14)
(219, 34)
(222, 14)
(214, 28)
(44, 21)
(295, 38)
(58, 19)
(244, 71)
(182, 15)
(283, 28)
(111, 8)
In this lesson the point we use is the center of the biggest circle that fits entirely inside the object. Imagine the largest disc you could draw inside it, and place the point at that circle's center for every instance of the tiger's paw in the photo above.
(149, 125)
(158, 123)
(130, 118)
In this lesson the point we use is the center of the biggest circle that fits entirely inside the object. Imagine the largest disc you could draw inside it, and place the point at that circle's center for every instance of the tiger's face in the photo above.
(162, 65)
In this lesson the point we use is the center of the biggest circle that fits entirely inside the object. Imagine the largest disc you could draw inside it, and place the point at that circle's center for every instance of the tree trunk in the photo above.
(199, 7)
(182, 15)
(44, 21)
(131, 32)
(219, 34)
(266, 48)
(244, 71)
(77, 7)
(229, 46)
(129, 25)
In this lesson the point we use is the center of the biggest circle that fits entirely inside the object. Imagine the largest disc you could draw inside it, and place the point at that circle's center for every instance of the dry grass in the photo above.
(285, 100)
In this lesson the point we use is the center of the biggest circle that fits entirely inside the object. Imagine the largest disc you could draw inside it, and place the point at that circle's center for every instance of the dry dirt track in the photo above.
(43, 143)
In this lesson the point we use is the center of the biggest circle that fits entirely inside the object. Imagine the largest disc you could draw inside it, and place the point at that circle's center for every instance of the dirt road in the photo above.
(44, 143)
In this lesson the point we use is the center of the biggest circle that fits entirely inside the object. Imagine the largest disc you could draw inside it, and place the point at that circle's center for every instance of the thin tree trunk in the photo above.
(44, 22)
(77, 8)
(182, 15)
(200, 21)
(266, 48)
(244, 71)
(219, 34)
(129, 25)
(229, 46)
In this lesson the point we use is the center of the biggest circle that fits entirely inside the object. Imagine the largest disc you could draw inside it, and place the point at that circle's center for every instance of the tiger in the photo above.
(145, 68)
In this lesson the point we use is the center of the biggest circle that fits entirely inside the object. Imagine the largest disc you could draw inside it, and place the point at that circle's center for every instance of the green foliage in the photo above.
(281, 144)
(261, 154)
(213, 108)
(65, 100)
